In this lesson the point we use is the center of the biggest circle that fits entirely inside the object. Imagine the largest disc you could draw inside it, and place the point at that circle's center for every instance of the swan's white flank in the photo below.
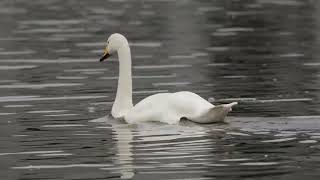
(163, 107)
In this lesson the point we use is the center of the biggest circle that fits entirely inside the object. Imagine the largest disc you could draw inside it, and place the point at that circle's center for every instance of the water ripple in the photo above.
(25, 52)
(63, 125)
(38, 98)
(50, 22)
(46, 111)
(61, 166)
(279, 140)
(47, 61)
(60, 115)
(162, 66)
(30, 152)
(38, 86)
(17, 67)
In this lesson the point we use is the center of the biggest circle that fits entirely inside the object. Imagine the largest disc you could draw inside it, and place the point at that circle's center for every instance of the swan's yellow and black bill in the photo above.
(105, 55)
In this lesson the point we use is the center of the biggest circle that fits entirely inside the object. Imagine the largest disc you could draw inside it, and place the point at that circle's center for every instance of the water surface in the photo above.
(55, 96)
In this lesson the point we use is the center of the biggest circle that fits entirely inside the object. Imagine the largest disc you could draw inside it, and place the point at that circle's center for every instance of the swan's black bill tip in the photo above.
(104, 57)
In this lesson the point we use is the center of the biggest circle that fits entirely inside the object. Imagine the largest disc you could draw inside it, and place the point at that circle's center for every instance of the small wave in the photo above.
(162, 66)
(50, 30)
(47, 61)
(259, 163)
(308, 141)
(279, 140)
(60, 166)
(291, 55)
(55, 154)
(282, 2)
(8, 81)
(46, 111)
(5, 114)
(238, 99)
(30, 152)
(60, 115)
(236, 29)
(85, 70)
(172, 84)
(17, 67)
(181, 57)
(51, 22)
(71, 77)
(218, 48)
(38, 86)
(218, 64)
(235, 160)
(283, 100)
(234, 77)
(63, 125)
(146, 44)
(237, 134)
(17, 105)
(38, 98)
(312, 64)
(142, 56)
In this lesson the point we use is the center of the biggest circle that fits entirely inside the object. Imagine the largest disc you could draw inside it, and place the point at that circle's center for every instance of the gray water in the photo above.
(55, 96)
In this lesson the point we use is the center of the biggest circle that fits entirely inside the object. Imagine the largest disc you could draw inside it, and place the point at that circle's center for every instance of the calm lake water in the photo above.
(55, 96)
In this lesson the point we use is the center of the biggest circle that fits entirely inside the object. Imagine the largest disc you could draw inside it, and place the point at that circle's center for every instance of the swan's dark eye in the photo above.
(107, 42)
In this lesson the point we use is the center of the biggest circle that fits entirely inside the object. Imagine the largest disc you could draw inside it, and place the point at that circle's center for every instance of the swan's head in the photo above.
(114, 43)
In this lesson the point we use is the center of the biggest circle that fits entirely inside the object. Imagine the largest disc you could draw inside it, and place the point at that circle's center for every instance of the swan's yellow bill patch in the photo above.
(105, 55)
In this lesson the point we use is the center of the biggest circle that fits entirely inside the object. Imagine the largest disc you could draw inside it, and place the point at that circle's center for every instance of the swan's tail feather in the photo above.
(230, 105)
(216, 114)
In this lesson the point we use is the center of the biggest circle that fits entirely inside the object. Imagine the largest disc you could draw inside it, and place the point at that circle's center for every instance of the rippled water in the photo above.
(55, 96)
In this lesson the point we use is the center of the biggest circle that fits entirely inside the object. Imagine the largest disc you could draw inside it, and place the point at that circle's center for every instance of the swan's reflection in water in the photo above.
(154, 147)
(190, 150)
(124, 137)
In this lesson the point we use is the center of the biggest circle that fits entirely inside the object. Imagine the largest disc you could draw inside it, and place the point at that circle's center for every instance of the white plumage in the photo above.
(163, 107)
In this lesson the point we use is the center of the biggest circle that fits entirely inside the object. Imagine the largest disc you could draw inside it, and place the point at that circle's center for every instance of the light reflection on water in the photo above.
(260, 53)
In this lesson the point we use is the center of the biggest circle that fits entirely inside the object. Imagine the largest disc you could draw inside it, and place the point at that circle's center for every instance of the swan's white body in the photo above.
(164, 107)
(171, 107)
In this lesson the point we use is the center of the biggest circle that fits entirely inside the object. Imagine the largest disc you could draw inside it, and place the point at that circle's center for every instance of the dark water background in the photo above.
(262, 53)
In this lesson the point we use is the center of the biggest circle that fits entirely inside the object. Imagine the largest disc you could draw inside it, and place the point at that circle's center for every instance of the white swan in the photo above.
(163, 107)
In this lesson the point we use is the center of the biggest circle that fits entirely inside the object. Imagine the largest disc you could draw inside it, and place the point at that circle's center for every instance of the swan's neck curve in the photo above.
(123, 101)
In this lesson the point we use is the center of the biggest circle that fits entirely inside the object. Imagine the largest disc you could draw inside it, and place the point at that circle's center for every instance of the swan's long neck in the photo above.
(123, 101)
